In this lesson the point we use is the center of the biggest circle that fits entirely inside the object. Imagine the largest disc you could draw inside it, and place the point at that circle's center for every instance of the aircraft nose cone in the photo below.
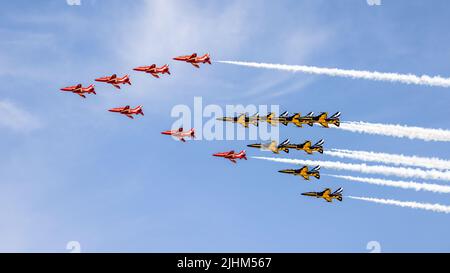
(283, 171)
(165, 133)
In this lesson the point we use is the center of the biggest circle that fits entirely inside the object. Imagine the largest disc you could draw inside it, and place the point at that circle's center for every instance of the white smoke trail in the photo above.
(396, 130)
(414, 205)
(355, 74)
(398, 184)
(370, 169)
(430, 163)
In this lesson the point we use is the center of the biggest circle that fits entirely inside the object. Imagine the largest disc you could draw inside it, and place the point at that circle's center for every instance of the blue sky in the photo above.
(70, 170)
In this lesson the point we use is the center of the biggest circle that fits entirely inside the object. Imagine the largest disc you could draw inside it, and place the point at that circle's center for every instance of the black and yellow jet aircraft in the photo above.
(272, 146)
(307, 146)
(326, 194)
(270, 119)
(323, 119)
(304, 172)
(298, 120)
(284, 118)
(243, 119)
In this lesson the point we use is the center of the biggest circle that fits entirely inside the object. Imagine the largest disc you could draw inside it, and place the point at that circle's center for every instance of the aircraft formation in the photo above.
(286, 145)
(243, 119)
(297, 119)
(116, 81)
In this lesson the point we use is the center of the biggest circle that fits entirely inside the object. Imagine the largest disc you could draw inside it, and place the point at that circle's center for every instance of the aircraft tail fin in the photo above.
(336, 115)
(91, 89)
(338, 191)
(207, 58)
(285, 142)
(127, 79)
(140, 110)
(244, 156)
(318, 146)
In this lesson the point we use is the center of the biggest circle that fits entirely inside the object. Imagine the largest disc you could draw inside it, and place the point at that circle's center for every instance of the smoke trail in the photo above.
(355, 74)
(398, 184)
(430, 163)
(413, 205)
(396, 130)
(363, 168)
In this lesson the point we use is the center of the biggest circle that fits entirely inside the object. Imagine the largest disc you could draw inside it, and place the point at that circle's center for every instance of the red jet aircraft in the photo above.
(180, 134)
(114, 80)
(194, 60)
(153, 70)
(127, 111)
(232, 156)
(80, 90)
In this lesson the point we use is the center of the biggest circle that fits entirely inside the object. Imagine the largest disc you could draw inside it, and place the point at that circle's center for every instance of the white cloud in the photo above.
(17, 119)
(162, 29)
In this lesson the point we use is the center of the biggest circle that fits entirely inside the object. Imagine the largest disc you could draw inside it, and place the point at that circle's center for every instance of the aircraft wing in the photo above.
(241, 120)
(230, 153)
